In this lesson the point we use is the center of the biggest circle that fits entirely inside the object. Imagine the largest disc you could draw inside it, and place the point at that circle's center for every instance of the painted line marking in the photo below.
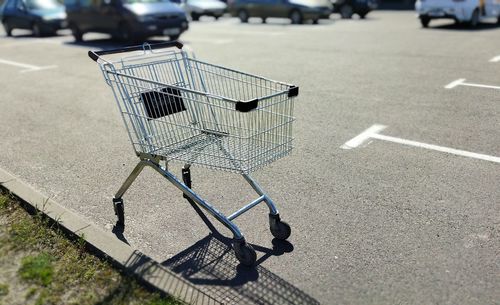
(373, 133)
(461, 82)
(495, 59)
(362, 137)
(455, 83)
(28, 68)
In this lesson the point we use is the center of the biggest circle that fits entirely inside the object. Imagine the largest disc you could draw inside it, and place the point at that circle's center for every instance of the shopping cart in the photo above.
(177, 108)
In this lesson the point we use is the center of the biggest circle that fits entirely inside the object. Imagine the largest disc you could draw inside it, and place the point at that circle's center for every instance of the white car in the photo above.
(471, 11)
(198, 8)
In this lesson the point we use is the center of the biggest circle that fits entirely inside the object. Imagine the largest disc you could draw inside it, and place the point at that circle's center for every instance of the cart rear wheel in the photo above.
(244, 253)
(280, 229)
(119, 212)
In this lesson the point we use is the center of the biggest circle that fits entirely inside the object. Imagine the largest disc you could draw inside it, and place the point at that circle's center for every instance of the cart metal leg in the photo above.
(118, 201)
(279, 229)
(243, 251)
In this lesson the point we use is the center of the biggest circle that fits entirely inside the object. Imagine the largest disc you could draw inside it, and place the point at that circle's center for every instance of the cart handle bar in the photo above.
(95, 55)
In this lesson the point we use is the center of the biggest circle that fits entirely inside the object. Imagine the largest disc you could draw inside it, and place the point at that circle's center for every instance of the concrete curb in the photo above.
(144, 268)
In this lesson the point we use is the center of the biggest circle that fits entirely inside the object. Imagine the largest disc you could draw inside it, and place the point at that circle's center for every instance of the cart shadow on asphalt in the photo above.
(209, 273)
(211, 266)
(118, 231)
(209, 270)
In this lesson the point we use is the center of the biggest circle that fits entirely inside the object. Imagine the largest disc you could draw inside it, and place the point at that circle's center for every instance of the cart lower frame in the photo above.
(244, 252)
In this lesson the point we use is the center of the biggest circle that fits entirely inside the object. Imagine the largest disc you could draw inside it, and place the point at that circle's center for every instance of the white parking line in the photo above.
(362, 137)
(495, 59)
(28, 68)
(373, 133)
(461, 82)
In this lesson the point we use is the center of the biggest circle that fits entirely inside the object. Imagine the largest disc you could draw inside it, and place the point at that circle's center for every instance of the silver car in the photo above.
(198, 8)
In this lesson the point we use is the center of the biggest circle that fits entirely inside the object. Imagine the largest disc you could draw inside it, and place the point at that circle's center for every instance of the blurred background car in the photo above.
(471, 11)
(198, 8)
(43, 17)
(126, 20)
(296, 10)
(347, 8)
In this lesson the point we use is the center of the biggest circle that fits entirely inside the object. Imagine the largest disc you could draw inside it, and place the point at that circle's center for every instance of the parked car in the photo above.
(347, 8)
(198, 8)
(297, 10)
(43, 17)
(127, 20)
(470, 11)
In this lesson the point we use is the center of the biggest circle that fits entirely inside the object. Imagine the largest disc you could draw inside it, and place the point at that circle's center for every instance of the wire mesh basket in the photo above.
(180, 108)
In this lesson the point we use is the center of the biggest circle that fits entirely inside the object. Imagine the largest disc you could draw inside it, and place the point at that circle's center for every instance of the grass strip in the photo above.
(40, 265)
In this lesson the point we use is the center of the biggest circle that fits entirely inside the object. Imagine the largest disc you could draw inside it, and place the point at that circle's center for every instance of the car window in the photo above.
(70, 2)
(10, 4)
(20, 5)
(41, 4)
(89, 3)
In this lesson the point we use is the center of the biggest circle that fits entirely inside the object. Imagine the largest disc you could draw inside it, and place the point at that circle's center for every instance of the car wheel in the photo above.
(77, 34)
(7, 27)
(424, 20)
(474, 19)
(216, 17)
(362, 15)
(264, 19)
(195, 17)
(346, 11)
(36, 28)
(243, 15)
(174, 37)
(315, 21)
(124, 33)
(296, 17)
(498, 20)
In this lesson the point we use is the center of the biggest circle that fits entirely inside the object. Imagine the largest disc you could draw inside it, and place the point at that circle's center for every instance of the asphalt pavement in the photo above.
(408, 214)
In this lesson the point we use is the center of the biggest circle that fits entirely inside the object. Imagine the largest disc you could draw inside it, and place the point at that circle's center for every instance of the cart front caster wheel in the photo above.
(280, 229)
(119, 212)
(244, 253)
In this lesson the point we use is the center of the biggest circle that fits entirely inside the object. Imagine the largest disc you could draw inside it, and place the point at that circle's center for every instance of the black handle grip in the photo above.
(95, 54)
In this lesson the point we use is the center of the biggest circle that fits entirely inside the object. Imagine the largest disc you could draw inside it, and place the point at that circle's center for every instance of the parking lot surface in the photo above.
(385, 219)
